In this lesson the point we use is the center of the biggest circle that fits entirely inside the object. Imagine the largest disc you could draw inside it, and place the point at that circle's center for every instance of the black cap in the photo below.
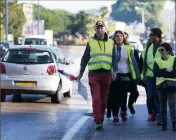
(100, 23)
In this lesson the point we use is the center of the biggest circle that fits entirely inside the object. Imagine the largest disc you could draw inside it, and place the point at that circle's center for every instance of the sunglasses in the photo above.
(161, 50)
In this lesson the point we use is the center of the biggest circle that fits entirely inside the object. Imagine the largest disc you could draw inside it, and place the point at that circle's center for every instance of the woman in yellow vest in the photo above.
(127, 75)
(165, 72)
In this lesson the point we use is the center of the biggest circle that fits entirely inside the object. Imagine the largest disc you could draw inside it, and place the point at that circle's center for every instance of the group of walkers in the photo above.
(115, 70)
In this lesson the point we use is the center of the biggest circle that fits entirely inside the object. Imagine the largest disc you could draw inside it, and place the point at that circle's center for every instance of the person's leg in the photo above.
(116, 101)
(96, 103)
(172, 108)
(104, 81)
(109, 101)
(150, 99)
(163, 107)
(124, 91)
(155, 101)
(134, 94)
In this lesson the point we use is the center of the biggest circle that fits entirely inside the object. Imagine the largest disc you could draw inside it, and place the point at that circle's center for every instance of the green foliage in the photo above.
(56, 20)
(15, 23)
(126, 12)
(2, 15)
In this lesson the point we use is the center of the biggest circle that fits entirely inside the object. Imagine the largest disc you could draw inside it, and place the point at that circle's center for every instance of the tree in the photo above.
(15, 23)
(125, 11)
(2, 15)
(104, 12)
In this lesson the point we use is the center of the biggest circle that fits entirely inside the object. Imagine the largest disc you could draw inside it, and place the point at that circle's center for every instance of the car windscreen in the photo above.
(35, 41)
(28, 56)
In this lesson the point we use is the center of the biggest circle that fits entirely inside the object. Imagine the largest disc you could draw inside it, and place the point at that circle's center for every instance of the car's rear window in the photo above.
(35, 41)
(28, 56)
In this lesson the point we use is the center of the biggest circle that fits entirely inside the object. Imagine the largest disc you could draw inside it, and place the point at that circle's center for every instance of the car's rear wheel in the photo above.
(56, 98)
(3, 97)
(68, 94)
(16, 98)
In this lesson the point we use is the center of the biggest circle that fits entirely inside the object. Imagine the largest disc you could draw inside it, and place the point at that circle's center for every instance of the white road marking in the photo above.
(70, 134)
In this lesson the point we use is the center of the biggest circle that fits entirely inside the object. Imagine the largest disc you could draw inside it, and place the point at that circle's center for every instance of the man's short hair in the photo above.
(157, 32)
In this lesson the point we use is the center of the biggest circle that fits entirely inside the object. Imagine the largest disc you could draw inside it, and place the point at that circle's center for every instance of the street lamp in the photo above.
(142, 11)
(6, 20)
(38, 18)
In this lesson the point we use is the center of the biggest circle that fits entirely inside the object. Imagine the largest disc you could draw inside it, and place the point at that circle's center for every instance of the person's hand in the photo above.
(79, 76)
(114, 76)
(169, 69)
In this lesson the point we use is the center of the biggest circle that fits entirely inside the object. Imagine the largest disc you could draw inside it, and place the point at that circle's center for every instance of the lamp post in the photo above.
(38, 16)
(142, 11)
(6, 20)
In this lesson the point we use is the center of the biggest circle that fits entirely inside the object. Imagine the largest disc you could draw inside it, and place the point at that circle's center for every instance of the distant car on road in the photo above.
(26, 70)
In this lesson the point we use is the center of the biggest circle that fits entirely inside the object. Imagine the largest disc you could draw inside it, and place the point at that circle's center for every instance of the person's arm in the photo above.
(85, 59)
(115, 58)
(135, 65)
(141, 63)
(163, 73)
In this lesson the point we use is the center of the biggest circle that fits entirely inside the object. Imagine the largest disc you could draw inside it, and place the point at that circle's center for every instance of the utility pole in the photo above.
(38, 14)
(6, 20)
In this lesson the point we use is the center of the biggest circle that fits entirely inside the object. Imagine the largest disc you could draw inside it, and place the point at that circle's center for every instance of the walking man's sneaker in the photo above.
(116, 120)
(123, 116)
(99, 126)
(131, 108)
(149, 117)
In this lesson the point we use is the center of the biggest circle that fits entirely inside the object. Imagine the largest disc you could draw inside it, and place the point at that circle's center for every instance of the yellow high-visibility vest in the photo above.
(164, 64)
(150, 60)
(129, 49)
(100, 54)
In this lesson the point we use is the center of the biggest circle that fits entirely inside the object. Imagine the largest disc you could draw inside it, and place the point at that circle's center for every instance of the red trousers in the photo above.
(99, 86)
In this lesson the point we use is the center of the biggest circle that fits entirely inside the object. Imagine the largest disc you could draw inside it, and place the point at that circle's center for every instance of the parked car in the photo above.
(33, 70)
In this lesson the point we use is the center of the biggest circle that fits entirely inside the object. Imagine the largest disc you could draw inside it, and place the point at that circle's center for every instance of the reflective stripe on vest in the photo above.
(150, 60)
(129, 50)
(164, 64)
(100, 58)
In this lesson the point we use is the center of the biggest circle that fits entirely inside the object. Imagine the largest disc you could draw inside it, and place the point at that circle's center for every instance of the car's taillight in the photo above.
(2, 68)
(51, 69)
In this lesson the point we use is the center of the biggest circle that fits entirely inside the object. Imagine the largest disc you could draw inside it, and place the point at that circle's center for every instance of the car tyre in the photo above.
(16, 98)
(68, 94)
(56, 98)
(3, 97)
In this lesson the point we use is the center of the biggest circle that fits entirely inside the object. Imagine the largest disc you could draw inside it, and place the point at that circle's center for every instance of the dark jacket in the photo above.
(86, 56)
(163, 73)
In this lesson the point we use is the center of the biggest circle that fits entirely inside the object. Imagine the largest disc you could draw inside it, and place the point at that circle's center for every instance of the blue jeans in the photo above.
(152, 97)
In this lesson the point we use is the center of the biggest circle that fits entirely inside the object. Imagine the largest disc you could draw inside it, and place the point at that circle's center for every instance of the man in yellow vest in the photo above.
(165, 72)
(101, 58)
(150, 55)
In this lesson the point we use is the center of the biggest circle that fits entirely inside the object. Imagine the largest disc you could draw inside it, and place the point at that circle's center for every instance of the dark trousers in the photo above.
(167, 96)
(152, 97)
(118, 95)
(99, 86)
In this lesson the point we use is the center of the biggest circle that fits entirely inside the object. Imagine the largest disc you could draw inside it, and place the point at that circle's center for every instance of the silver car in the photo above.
(33, 70)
